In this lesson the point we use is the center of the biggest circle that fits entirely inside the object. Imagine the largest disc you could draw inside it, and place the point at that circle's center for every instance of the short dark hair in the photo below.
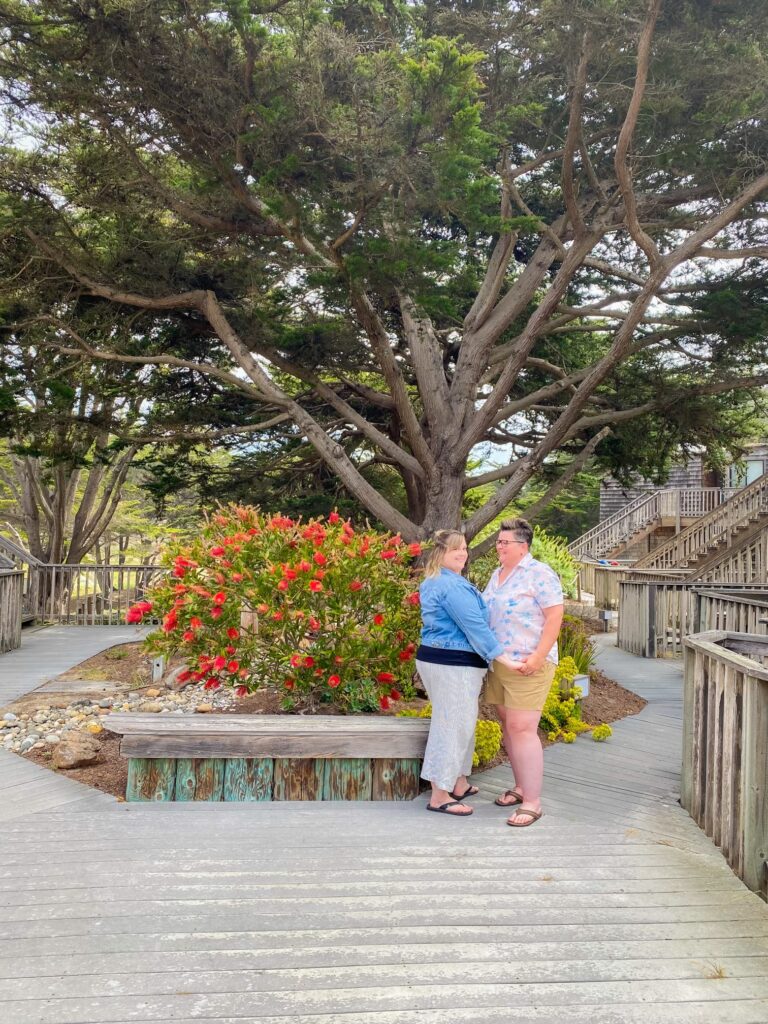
(520, 527)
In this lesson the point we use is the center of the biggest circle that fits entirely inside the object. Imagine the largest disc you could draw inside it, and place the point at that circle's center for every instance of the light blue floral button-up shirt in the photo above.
(516, 608)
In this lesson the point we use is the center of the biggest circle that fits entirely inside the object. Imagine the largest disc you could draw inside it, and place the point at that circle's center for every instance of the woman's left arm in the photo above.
(553, 620)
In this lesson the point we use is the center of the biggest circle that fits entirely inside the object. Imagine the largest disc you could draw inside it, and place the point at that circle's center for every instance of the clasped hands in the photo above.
(526, 667)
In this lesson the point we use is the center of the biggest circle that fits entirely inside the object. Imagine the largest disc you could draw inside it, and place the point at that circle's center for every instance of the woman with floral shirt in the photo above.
(525, 600)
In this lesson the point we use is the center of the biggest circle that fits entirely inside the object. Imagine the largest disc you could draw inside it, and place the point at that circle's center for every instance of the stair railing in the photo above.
(669, 502)
(712, 529)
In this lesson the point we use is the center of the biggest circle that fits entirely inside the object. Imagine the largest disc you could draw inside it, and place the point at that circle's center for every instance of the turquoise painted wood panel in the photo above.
(150, 778)
(199, 778)
(298, 778)
(395, 778)
(209, 778)
(184, 788)
(347, 778)
(248, 778)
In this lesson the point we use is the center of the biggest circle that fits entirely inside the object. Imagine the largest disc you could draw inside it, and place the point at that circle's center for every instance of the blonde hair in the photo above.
(443, 541)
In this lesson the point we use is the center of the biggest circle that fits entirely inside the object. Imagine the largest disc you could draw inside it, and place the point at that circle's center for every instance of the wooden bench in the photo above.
(270, 757)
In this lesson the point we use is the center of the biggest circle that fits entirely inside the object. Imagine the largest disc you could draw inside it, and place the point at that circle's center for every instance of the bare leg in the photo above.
(523, 746)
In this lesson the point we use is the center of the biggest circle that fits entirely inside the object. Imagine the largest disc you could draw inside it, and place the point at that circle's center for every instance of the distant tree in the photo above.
(405, 231)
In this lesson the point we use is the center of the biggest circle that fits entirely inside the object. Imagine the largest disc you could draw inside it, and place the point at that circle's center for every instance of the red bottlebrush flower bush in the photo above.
(262, 615)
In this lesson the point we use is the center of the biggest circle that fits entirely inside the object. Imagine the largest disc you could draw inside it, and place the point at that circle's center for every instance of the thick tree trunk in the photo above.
(443, 503)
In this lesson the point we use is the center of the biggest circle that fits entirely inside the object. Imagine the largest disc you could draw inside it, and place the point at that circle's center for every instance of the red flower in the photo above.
(405, 655)
(345, 539)
(333, 681)
(309, 662)
(283, 585)
(216, 612)
(229, 649)
(179, 589)
(319, 558)
(316, 586)
(212, 684)
(338, 661)
(237, 577)
(290, 574)
(277, 617)
(394, 695)
(185, 676)
(219, 662)
(288, 684)
(262, 609)
(219, 598)
(313, 623)
(241, 691)
(385, 677)
(334, 517)
(169, 622)
(414, 550)
(378, 620)
(189, 635)
(348, 530)
(134, 614)
(384, 703)
(320, 574)
(295, 660)
(413, 598)
(355, 585)
(233, 667)
(180, 571)
(216, 552)
(389, 554)
(303, 566)
(233, 633)
(195, 623)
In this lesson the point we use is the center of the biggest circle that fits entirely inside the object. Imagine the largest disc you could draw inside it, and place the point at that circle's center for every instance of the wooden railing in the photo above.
(655, 616)
(745, 562)
(717, 527)
(11, 587)
(668, 503)
(725, 747)
(91, 595)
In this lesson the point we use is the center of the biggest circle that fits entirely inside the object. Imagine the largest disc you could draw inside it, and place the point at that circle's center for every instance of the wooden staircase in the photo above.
(711, 537)
(671, 507)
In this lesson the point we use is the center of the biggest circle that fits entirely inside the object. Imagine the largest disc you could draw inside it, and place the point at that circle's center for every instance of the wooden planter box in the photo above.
(270, 757)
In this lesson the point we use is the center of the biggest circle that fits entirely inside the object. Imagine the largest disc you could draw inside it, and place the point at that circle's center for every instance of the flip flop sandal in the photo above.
(534, 816)
(500, 802)
(443, 809)
(471, 791)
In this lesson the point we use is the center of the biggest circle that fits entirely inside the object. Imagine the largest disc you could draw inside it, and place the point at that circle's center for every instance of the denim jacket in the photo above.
(455, 616)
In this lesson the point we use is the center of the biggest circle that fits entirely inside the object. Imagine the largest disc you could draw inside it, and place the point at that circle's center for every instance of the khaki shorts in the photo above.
(518, 692)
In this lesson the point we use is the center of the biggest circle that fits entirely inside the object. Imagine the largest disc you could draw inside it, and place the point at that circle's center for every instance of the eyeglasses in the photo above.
(506, 543)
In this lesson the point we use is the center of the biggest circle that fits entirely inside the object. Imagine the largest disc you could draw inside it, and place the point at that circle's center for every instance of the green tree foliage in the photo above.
(401, 232)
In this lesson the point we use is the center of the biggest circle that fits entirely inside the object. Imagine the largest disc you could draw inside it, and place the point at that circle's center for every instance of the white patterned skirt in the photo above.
(454, 691)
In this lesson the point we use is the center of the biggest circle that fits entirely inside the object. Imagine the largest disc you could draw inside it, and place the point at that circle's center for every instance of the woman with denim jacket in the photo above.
(456, 646)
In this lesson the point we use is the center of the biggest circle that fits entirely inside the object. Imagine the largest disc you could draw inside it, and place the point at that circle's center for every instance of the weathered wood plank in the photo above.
(151, 779)
(223, 745)
(395, 778)
(298, 779)
(248, 779)
(346, 778)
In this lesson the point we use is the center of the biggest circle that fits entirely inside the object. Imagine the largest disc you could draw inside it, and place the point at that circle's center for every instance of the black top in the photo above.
(447, 656)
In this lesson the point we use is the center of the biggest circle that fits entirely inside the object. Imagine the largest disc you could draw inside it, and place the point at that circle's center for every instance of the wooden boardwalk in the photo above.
(613, 909)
